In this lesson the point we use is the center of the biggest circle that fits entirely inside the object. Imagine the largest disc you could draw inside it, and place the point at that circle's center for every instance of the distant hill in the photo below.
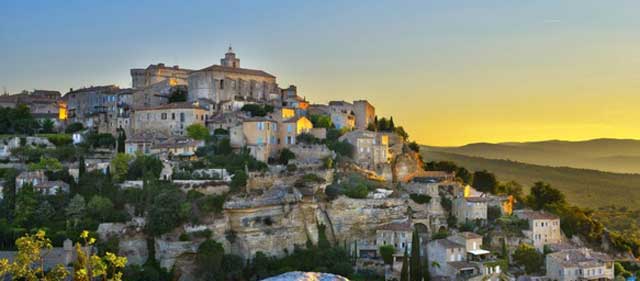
(586, 188)
(611, 155)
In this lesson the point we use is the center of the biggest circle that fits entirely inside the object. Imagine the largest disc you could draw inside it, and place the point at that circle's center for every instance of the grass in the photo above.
(585, 188)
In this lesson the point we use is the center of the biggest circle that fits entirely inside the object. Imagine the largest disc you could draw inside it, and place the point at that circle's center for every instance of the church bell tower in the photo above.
(230, 59)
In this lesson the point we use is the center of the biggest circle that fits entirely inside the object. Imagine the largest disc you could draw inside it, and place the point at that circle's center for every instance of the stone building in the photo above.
(370, 148)
(170, 119)
(461, 257)
(104, 108)
(468, 209)
(544, 228)
(364, 112)
(342, 115)
(157, 93)
(40, 183)
(397, 234)
(451, 258)
(228, 80)
(154, 73)
(261, 137)
(579, 264)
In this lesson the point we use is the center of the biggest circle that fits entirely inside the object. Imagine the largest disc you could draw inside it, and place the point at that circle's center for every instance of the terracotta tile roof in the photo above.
(535, 215)
(583, 257)
(448, 244)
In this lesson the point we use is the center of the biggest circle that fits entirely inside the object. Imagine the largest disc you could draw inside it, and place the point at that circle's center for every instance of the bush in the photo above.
(285, 156)
(358, 191)
(420, 198)
(387, 251)
(73, 128)
(59, 139)
(292, 168)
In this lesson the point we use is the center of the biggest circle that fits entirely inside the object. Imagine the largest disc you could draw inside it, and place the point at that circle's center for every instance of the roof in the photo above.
(238, 70)
(175, 105)
(460, 265)
(476, 199)
(478, 252)
(397, 226)
(582, 257)
(470, 235)
(338, 103)
(535, 215)
(448, 244)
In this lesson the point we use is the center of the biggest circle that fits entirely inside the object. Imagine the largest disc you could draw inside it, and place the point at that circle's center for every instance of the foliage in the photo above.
(528, 257)
(542, 196)
(93, 267)
(259, 110)
(59, 139)
(47, 164)
(402, 133)
(166, 210)
(343, 148)
(321, 121)
(414, 146)
(386, 251)
(17, 120)
(420, 198)
(510, 188)
(47, 126)
(100, 208)
(120, 166)
(285, 155)
(145, 166)
(415, 268)
(404, 272)
(238, 181)
(493, 212)
(28, 264)
(308, 139)
(100, 140)
(74, 127)
(178, 94)
(484, 181)
(209, 260)
(198, 132)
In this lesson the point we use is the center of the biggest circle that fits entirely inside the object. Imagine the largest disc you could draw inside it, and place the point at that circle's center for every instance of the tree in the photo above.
(404, 273)
(82, 167)
(484, 181)
(414, 146)
(323, 242)
(209, 260)
(74, 127)
(47, 164)
(145, 166)
(402, 133)
(416, 262)
(26, 204)
(178, 94)
(47, 126)
(285, 156)
(198, 132)
(165, 211)
(121, 140)
(528, 257)
(321, 121)
(120, 166)
(75, 210)
(28, 263)
(93, 267)
(386, 251)
(510, 188)
(100, 208)
(542, 196)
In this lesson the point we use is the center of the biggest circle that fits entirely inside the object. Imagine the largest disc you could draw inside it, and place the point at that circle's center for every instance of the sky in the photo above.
(450, 72)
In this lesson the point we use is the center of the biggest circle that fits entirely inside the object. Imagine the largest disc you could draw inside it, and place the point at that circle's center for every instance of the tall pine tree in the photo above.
(416, 264)
(404, 273)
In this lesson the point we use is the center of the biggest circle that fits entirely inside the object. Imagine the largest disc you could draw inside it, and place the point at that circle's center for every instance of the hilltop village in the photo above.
(220, 174)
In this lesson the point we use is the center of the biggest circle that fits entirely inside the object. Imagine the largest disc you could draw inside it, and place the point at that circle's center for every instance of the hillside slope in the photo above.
(587, 188)
(611, 155)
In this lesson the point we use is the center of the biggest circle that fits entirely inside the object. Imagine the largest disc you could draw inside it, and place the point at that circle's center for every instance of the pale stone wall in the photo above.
(221, 86)
(365, 113)
(141, 78)
(170, 121)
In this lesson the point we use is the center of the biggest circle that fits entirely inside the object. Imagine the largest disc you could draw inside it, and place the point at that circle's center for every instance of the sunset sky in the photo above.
(451, 72)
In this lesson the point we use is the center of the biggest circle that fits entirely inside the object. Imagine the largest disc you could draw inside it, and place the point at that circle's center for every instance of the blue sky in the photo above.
(455, 58)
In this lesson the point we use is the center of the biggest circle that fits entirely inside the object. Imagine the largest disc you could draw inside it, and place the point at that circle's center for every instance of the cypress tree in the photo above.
(81, 167)
(416, 266)
(404, 273)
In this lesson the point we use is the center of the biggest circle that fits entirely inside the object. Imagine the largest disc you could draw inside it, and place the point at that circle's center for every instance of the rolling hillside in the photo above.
(586, 188)
(611, 155)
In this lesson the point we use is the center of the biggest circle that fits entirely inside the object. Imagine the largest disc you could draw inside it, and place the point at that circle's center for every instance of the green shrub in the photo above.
(420, 198)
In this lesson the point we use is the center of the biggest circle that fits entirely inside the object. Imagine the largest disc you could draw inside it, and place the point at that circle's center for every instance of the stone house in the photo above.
(171, 119)
(40, 183)
(397, 234)
(544, 228)
(470, 208)
(461, 257)
(261, 137)
(291, 128)
(364, 112)
(177, 147)
(342, 115)
(370, 148)
(579, 264)
(83, 104)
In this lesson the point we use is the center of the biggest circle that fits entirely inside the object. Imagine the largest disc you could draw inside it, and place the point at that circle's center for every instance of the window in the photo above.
(222, 84)
(289, 128)
(260, 126)
(173, 116)
(163, 116)
(182, 117)
(259, 141)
